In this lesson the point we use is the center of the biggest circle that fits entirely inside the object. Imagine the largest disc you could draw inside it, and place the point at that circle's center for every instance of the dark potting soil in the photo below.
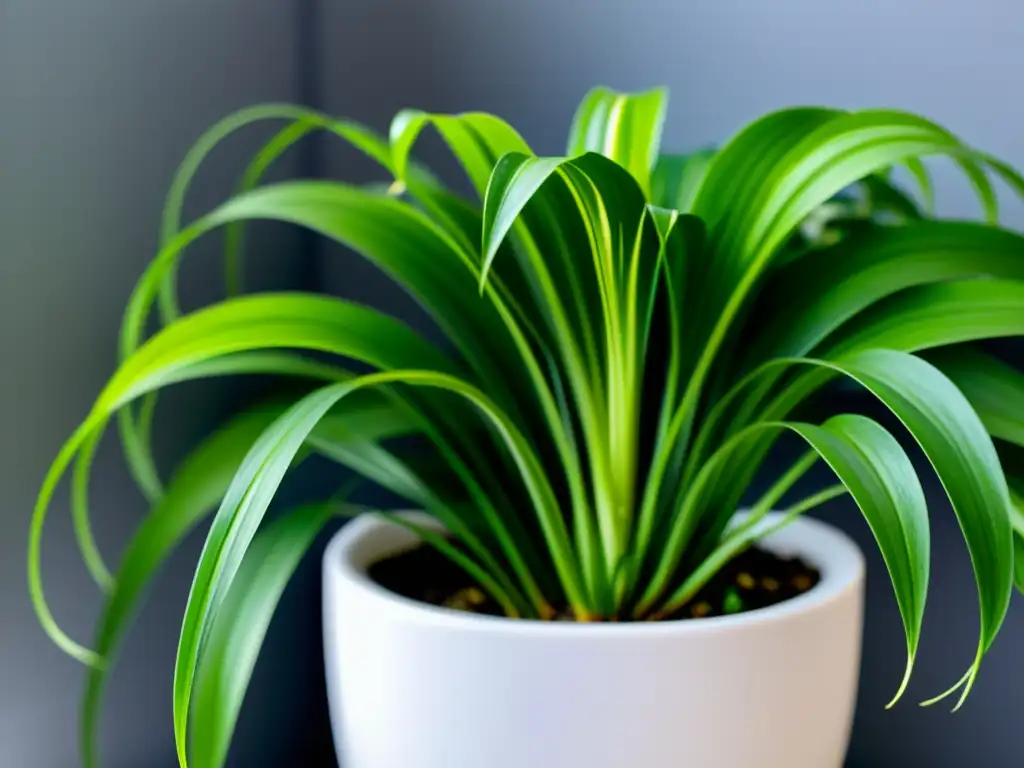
(755, 579)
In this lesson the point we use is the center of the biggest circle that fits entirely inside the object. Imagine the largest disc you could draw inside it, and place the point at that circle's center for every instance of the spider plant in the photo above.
(629, 333)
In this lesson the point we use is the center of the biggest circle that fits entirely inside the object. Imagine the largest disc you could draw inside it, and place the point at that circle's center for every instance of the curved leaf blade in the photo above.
(994, 389)
(814, 296)
(229, 653)
(677, 179)
(513, 183)
(956, 443)
(192, 493)
(257, 480)
(235, 326)
(937, 315)
(476, 139)
(879, 475)
(302, 121)
(790, 163)
(624, 127)
(389, 233)
(876, 471)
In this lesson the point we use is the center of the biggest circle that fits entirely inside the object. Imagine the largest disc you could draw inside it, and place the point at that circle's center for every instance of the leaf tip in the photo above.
(966, 682)
(903, 685)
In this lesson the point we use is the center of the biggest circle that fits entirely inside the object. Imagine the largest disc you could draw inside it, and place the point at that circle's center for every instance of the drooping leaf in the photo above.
(135, 431)
(229, 653)
(257, 480)
(624, 127)
(273, 363)
(994, 389)
(882, 480)
(956, 443)
(677, 179)
(767, 180)
(475, 138)
(193, 493)
(239, 325)
(814, 296)
(938, 315)
(880, 477)
(420, 255)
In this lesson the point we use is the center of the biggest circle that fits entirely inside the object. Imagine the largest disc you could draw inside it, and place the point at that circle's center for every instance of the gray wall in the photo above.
(100, 101)
(102, 98)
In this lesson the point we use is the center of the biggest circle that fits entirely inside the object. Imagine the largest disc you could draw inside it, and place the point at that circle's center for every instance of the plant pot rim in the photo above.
(370, 537)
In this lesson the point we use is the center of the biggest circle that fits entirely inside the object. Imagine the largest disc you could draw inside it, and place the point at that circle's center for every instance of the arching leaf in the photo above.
(880, 477)
(677, 178)
(624, 127)
(814, 296)
(994, 389)
(230, 652)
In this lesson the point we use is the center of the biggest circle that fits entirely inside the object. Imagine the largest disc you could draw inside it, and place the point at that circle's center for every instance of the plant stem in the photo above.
(776, 492)
(735, 544)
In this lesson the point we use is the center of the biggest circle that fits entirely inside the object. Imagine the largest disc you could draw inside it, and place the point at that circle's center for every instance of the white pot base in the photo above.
(414, 686)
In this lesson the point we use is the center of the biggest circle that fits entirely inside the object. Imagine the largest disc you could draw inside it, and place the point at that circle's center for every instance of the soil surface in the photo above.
(755, 579)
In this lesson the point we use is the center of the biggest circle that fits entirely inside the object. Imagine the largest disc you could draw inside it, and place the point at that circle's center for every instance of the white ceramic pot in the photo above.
(415, 686)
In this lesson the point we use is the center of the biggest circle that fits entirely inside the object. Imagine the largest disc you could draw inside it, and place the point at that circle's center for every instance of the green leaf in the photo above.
(956, 443)
(626, 253)
(811, 299)
(354, 134)
(265, 321)
(937, 315)
(920, 318)
(257, 480)
(192, 493)
(872, 465)
(920, 173)
(438, 494)
(475, 138)
(220, 562)
(420, 255)
(400, 237)
(388, 232)
(814, 296)
(277, 363)
(994, 389)
(238, 325)
(514, 182)
(880, 477)
(954, 439)
(135, 436)
(768, 179)
(677, 179)
(302, 121)
(828, 159)
(236, 636)
(624, 127)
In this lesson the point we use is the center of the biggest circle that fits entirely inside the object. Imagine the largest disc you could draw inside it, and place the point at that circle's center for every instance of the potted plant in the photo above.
(630, 333)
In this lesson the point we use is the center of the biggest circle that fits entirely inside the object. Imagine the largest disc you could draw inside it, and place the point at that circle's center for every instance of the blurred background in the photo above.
(100, 101)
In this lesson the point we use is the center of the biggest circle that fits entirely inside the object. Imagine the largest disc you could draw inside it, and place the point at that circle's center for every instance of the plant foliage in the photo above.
(630, 332)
